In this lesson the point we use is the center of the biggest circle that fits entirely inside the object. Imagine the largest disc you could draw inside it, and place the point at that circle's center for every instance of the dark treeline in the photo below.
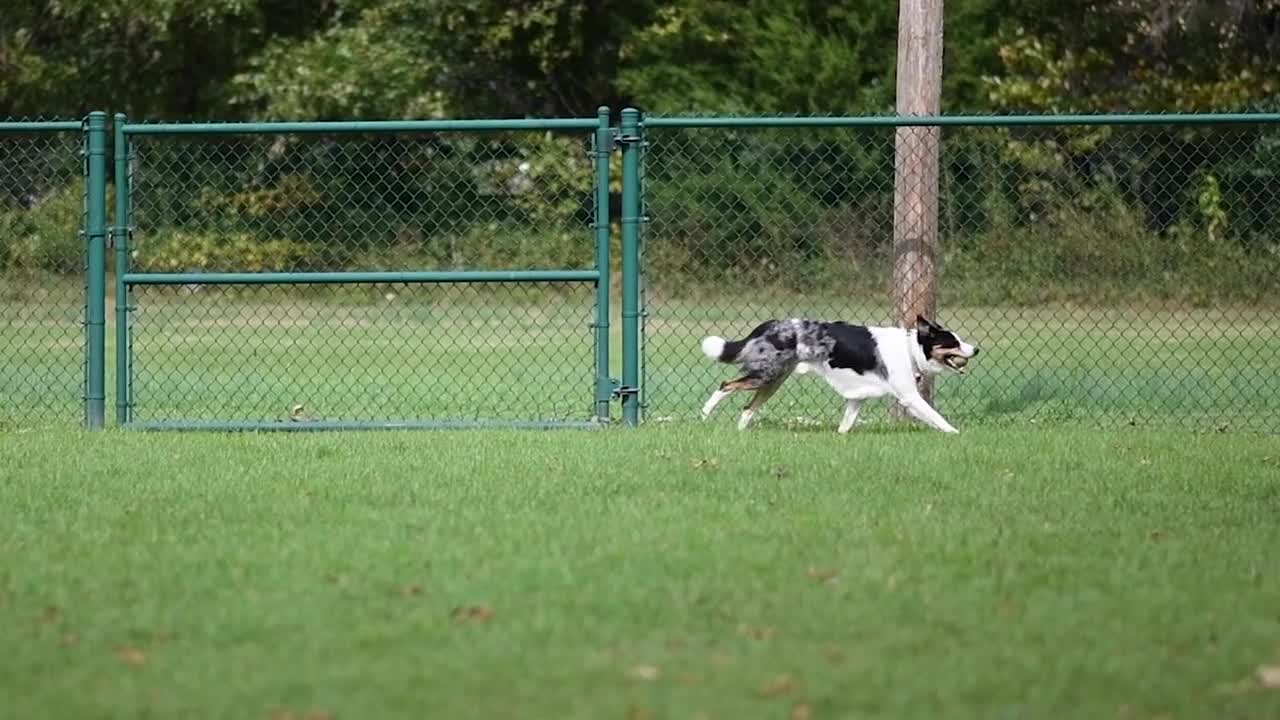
(322, 59)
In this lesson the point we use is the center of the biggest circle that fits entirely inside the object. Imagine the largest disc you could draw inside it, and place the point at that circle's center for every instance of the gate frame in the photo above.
(605, 388)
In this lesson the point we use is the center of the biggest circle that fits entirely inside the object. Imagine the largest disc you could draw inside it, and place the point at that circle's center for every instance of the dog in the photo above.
(859, 362)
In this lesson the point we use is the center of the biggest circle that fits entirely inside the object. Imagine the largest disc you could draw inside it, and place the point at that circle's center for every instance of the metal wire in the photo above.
(1112, 275)
(42, 274)
(342, 351)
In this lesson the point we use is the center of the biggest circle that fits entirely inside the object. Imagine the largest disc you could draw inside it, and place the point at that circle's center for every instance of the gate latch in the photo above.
(620, 391)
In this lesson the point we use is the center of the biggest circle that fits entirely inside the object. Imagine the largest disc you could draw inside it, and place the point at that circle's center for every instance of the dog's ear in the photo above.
(924, 327)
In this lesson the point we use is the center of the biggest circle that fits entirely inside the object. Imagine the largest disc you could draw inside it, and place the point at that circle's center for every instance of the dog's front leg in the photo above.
(922, 411)
(851, 409)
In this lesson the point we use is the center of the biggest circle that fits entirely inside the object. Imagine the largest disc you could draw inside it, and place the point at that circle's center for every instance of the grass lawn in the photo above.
(682, 571)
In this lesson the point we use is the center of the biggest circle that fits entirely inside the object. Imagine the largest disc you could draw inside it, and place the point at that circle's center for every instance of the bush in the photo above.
(46, 236)
(238, 252)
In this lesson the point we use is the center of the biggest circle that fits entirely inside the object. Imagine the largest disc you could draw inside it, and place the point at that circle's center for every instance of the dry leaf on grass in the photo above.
(762, 633)
(644, 672)
(291, 714)
(52, 615)
(635, 712)
(709, 463)
(777, 686)
(411, 590)
(822, 575)
(801, 711)
(131, 655)
(1269, 676)
(472, 614)
(1265, 677)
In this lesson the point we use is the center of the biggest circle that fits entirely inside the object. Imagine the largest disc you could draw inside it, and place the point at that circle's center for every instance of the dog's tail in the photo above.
(725, 351)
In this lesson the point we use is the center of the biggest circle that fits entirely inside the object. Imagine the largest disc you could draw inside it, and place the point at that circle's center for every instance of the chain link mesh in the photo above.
(42, 342)
(309, 203)
(1112, 275)
(363, 352)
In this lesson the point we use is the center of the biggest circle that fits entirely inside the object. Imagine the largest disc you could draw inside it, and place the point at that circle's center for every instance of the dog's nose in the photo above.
(975, 351)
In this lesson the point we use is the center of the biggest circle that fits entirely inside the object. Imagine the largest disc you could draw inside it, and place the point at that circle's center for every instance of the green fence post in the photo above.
(120, 232)
(604, 151)
(629, 136)
(96, 286)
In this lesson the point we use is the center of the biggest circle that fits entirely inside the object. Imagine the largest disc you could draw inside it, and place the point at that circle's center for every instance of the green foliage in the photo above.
(785, 57)
(46, 236)
(1088, 214)
(400, 58)
(146, 57)
(374, 67)
(542, 57)
(1141, 55)
(403, 58)
(1093, 249)
(764, 56)
(246, 252)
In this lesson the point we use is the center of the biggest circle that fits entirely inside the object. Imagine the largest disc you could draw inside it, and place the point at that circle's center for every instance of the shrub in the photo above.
(239, 252)
(46, 236)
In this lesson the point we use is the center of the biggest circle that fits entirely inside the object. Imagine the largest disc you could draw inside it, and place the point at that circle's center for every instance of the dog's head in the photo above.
(943, 349)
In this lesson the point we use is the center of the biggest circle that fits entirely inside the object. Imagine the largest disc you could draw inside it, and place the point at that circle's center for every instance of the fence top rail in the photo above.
(360, 126)
(960, 120)
(37, 126)
(361, 277)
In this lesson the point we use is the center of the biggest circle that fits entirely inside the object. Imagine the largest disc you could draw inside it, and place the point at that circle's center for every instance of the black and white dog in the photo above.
(858, 362)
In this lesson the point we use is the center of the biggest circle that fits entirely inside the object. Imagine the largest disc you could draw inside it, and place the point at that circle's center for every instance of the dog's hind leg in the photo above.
(713, 401)
(761, 397)
(851, 408)
(726, 389)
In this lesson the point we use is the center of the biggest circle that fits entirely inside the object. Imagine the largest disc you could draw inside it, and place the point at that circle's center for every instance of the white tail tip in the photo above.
(712, 347)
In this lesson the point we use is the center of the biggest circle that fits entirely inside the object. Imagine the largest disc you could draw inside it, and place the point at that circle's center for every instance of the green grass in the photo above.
(678, 572)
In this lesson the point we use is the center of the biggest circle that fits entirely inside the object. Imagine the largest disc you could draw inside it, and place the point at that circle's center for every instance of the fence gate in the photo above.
(263, 284)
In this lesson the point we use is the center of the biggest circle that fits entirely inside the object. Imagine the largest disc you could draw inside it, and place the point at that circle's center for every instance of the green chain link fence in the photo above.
(1114, 271)
(43, 206)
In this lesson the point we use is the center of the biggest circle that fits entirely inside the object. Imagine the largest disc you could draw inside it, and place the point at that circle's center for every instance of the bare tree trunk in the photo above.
(915, 216)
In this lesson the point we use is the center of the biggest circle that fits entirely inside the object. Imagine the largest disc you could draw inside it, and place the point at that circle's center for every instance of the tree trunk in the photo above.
(915, 216)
